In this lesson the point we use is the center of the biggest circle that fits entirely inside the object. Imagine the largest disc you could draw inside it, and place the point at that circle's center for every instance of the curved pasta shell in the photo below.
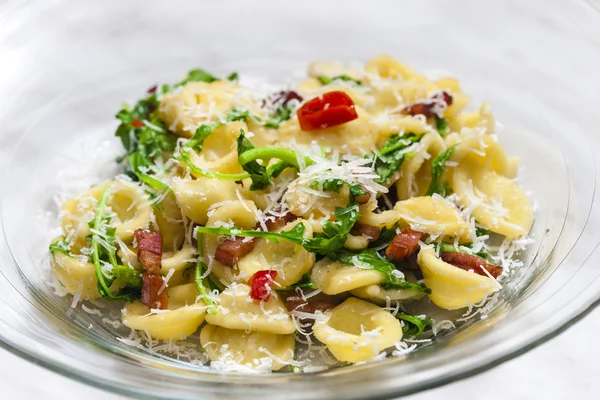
(128, 201)
(434, 216)
(484, 151)
(246, 348)
(358, 330)
(243, 215)
(309, 206)
(387, 219)
(498, 203)
(195, 196)
(237, 310)
(378, 295)
(406, 124)
(452, 288)
(415, 173)
(183, 110)
(183, 317)
(334, 277)
(289, 260)
(219, 151)
(482, 118)
(170, 223)
(76, 276)
(388, 67)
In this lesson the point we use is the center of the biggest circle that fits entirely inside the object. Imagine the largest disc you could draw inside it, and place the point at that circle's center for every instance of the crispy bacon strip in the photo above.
(471, 263)
(404, 244)
(232, 249)
(372, 232)
(428, 107)
(152, 296)
(149, 245)
(276, 223)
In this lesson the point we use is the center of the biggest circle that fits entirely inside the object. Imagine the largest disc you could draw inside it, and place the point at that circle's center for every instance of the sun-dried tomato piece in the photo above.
(154, 294)
(329, 109)
(261, 283)
(232, 249)
(469, 262)
(404, 244)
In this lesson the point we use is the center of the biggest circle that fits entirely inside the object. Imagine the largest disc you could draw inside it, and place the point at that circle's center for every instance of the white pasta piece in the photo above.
(237, 310)
(290, 261)
(334, 277)
(170, 223)
(236, 347)
(497, 203)
(182, 318)
(195, 197)
(358, 330)
(434, 216)
(128, 202)
(451, 287)
(378, 295)
(78, 276)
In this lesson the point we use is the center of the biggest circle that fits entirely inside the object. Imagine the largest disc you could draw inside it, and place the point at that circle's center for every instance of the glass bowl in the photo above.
(67, 67)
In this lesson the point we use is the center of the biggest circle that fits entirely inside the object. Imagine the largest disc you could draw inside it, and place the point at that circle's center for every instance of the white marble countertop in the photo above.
(565, 367)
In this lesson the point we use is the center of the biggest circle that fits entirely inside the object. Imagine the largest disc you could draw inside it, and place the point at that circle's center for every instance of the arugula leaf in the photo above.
(198, 75)
(413, 325)
(129, 276)
(441, 125)
(333, 238)
(370, 259)
(304, 283)
(388, 160)
(336, 184)
(201, 268)
(482, 231)
(325, 80)
(258, 173)
(282, 114)
(437, 170)
(60, 245)
(104, 282)
(234, 76)
(185, 158)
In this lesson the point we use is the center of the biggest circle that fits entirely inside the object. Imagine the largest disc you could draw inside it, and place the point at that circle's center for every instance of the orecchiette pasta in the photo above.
(451, 287)
(334, 277)
(357, 330)
(379, 295)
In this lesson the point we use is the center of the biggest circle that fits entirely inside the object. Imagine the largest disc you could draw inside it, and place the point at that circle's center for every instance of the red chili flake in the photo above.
(136, 123)
(330, 109)
(261, 283)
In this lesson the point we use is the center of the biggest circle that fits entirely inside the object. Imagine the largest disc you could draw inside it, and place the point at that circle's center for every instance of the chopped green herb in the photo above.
(441, 125)
(325, 80)
(437, 170)
(336, 184)
(388, 160)
(129, 276)
(60, 245)
(198, 75)
(413, 325)
(233, 77)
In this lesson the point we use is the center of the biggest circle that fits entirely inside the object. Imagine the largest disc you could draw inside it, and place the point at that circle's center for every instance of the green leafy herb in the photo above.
(129, 276)
(388, 160)
(198, 75)
(482, 231)
(201, 268)
(185, 158)
(325, 80)
(282, 114)
(441, 125)
(233, 77)
(437, 170)
(304, 283)
(215, 283)
(413, 326)
(258, 173)
(60, 245)
(336, 184)
(370, 259)
(333, 238)
(100, 251)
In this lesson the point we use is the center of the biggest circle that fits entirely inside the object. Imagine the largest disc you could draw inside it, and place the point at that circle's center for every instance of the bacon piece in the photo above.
(260, 284)
(152, 296)
(404, 244)
(469, 262)
(149, 245)
(429, 107)
(231, 250)
(371, 231)
(275, 223)
(152, 89)
(281, 98)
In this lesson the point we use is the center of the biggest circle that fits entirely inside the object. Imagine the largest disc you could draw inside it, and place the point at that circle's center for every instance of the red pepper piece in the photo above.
(261, 283)
(136, 123)
(330, 109)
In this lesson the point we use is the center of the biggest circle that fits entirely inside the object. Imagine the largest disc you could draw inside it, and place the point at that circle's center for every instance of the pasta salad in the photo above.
(271, 223)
